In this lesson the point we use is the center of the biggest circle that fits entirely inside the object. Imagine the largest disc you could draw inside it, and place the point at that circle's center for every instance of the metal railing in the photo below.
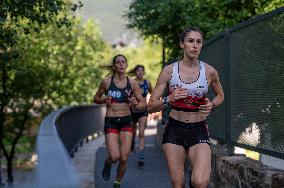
(61, 132)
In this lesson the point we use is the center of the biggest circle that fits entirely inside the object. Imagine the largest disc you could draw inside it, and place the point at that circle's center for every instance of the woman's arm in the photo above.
(155, 104)
(98, 98)
(218, 91)
(141, 104)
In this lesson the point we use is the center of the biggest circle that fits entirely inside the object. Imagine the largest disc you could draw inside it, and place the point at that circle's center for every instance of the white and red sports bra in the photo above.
(197, 89)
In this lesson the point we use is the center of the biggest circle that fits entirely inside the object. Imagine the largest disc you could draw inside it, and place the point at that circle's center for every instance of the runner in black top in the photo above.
(119, 95)
(140, 116)
(118, 126)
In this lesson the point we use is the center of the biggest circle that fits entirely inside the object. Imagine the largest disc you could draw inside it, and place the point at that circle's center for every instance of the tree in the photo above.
(47, 61)
(213, 16)
(166, 19)
(68, 56)
(158, 19)
(55, 67)
(10, 12)
(147, 55)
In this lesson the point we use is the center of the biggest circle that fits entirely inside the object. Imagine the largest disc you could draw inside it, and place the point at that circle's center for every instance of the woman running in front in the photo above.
(116, 92)
(186, 131)
(140, 116)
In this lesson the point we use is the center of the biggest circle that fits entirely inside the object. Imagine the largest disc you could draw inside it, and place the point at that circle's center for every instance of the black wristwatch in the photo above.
(165, 101)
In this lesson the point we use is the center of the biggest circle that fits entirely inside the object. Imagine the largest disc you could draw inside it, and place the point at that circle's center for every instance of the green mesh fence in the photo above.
(214, 55)
(250, 61)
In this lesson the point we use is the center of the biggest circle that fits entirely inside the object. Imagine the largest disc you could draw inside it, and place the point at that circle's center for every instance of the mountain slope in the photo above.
(109, 14)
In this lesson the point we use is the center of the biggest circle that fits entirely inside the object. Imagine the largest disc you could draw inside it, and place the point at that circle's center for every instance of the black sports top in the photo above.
(119, 95)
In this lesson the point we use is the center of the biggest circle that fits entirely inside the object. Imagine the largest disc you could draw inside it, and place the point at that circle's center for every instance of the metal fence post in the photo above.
(228, 91)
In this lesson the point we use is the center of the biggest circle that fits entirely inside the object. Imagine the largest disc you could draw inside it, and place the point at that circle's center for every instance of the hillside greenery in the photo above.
(46, 63)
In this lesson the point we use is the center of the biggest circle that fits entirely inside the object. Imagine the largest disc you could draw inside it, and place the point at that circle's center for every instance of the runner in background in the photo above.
(116, 91)
(139, 117)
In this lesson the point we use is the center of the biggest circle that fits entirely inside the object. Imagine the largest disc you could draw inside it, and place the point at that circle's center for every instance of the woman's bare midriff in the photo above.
(118, 110)
(187, 117)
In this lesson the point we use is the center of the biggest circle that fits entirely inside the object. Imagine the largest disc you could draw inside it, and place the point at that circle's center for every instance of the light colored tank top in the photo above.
(197, 89)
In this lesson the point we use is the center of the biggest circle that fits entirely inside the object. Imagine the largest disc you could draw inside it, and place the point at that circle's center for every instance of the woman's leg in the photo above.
(175, 155)
(142, 127)
(113, 153)
(112, 144)
(125, 138)
(200, 156)
(133, 137)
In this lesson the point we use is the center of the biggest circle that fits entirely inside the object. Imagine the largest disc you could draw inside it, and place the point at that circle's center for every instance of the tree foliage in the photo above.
(166, 19)
(63, 61)
(158, 19)
(34, 12)
(148, 54)
(48, 59)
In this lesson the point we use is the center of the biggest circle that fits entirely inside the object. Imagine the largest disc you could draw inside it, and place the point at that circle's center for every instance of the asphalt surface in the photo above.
(154, 174)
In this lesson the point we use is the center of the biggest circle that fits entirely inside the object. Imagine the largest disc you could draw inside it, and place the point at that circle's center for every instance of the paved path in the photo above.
(153, 175)
(84, 161)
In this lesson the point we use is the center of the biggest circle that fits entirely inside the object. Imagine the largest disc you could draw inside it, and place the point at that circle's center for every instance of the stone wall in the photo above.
(238, 171)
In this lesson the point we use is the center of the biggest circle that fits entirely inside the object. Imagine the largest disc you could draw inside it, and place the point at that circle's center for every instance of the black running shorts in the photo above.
(137, 115)
(117, 124)
(186, 134)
